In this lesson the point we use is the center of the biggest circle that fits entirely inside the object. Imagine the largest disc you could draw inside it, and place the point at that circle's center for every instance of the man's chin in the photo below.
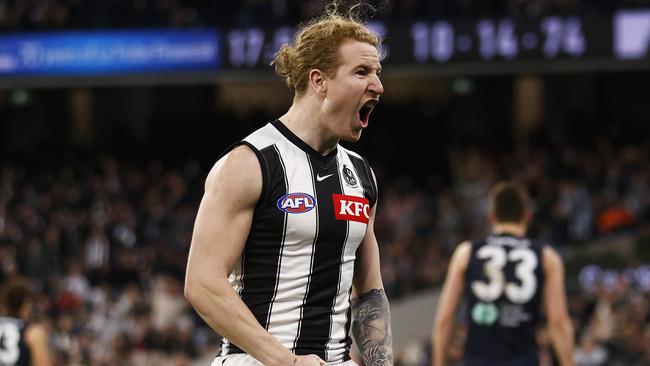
(352, 138)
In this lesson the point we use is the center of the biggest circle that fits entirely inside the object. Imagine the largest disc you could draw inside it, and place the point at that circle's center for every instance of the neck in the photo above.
(306, 120)
(518, 230)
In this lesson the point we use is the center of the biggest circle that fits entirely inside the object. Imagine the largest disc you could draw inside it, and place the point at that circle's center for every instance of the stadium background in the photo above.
(101, 172)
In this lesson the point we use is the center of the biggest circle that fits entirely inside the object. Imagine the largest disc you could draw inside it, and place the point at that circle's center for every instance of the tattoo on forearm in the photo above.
(371, 328)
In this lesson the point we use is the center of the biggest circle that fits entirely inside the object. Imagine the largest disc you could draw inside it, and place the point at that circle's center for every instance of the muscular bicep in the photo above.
(367, 272)
(225, 215)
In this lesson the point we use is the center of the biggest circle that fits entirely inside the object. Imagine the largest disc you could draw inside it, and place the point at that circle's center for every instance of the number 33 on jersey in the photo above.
(503, 281)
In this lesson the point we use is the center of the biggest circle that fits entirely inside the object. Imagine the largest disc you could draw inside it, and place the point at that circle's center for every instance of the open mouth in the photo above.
(364, 112)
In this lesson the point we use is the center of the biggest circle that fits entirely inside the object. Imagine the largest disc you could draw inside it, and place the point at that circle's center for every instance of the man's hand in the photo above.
(309, 360)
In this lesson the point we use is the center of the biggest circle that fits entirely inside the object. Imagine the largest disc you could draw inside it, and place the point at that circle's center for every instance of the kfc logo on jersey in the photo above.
(351, 208)
(296, 203)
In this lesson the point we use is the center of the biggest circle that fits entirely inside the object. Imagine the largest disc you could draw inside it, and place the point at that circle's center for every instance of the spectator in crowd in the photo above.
(589, 352)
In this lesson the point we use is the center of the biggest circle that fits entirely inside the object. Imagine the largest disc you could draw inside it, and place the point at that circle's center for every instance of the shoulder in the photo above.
(461, 256)
(237, 172)
(265, 136)
(240, 162)
(355, 156)
(464, 248)
(551, 259)
(349, 152)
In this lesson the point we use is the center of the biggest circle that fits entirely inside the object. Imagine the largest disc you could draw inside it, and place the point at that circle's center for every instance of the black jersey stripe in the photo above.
(362, 169)
(314, 331)
(313, 245)
(348, 323)
(262, 255)
(284, 231)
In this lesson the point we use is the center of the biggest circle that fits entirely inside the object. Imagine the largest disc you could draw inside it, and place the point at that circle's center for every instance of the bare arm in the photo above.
(372, 324)
(36, 339)
(559, 322)
(452, 292)
(222, 225)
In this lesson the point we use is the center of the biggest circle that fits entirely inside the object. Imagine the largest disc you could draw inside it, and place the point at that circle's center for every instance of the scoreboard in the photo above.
(622, 36)
(615, 41)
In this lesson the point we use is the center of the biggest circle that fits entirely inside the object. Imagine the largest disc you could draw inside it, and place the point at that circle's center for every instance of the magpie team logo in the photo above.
(349, 178)
(296, 203)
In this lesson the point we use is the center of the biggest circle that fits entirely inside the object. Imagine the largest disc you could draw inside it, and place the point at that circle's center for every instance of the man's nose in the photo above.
(376, 87)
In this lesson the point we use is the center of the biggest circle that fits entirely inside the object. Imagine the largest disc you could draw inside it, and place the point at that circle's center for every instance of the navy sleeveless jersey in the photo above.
(504, 283)
(13, 349)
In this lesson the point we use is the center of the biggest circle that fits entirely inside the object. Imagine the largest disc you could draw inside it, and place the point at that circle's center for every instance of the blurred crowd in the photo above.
(84, 14)
(105, 242)
(580, 195)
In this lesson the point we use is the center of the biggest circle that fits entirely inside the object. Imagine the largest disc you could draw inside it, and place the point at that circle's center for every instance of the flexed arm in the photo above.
(372, 324)
(222, 225)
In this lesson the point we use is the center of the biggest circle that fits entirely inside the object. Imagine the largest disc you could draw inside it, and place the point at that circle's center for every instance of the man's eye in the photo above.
(362, 72)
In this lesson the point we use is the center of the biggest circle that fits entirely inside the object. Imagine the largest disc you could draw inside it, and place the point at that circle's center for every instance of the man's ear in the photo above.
(318, 82)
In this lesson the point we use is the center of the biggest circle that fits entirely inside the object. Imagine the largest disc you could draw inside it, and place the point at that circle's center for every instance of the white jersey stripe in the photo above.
(311, 263)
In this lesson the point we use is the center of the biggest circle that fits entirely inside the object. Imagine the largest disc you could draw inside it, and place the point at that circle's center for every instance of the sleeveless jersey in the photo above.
(13, 349)
(295, 273)
(504, 282)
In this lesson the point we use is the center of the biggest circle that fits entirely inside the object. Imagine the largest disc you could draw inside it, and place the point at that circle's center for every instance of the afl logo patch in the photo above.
(296, 203)
(349, 178)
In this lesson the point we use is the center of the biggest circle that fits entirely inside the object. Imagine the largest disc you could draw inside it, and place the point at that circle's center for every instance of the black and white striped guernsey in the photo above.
(295, 273)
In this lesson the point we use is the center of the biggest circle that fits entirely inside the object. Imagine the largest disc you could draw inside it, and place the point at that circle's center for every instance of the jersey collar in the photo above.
(286, 132)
